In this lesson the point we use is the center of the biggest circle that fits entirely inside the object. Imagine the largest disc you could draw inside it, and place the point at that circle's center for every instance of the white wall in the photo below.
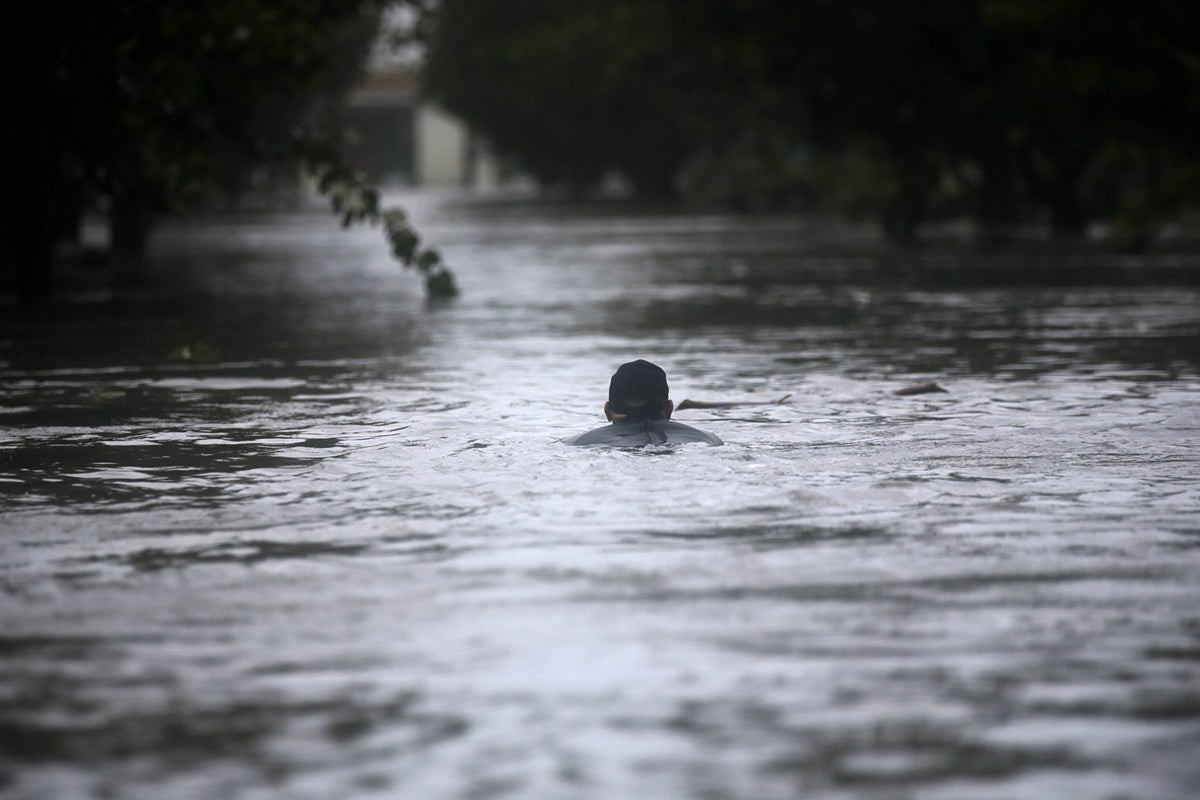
(440, 148)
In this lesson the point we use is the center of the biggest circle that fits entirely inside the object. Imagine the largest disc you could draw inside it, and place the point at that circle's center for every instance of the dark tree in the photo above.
(1007, 110)
(549, 82)
(148, 105)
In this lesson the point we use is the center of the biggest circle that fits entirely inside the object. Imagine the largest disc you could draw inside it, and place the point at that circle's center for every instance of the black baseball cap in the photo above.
(638, 379)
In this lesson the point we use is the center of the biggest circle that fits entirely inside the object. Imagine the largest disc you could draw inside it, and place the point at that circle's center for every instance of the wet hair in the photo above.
(639, 390)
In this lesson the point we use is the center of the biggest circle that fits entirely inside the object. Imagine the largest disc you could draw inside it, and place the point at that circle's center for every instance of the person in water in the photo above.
(639, 407)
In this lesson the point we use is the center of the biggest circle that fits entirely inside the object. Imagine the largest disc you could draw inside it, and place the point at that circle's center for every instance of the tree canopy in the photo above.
(151, 105)
(1063, 110)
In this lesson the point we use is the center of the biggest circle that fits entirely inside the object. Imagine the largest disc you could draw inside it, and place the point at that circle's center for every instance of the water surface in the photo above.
(275, 527)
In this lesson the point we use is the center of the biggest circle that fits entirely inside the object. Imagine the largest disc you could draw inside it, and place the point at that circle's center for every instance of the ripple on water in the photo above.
(346, 555)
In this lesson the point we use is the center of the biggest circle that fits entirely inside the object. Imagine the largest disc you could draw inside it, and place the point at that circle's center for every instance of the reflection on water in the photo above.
(274, 527)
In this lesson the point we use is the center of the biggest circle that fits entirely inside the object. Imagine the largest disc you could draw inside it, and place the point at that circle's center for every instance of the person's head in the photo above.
(638, 390)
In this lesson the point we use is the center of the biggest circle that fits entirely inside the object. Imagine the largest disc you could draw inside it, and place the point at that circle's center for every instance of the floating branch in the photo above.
(686, 404)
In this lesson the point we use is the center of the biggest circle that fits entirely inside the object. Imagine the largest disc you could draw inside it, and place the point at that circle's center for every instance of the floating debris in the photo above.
(918, 388)
(686, 404)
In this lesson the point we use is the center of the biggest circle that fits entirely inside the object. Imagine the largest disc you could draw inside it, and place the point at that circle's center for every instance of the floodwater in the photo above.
(276, 527)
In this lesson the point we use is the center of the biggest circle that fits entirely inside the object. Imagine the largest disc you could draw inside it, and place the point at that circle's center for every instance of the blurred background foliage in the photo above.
(149, 107)
(1058, 112)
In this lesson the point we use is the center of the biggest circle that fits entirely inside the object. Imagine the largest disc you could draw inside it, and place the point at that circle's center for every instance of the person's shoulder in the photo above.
(636, 434)
(677, 431)
(602, 435)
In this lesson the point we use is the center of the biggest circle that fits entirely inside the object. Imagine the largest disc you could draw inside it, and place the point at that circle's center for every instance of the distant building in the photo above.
(396, 140)
(379, 121)
(399, 139)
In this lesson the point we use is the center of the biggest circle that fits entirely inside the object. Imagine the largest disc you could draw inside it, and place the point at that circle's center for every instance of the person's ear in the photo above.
(608, 411)
(668, 408)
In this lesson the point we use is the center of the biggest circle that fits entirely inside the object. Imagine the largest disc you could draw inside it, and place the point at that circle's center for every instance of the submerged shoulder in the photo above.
(608, 434)
(640, 433)
(677, 431)
(593, 436)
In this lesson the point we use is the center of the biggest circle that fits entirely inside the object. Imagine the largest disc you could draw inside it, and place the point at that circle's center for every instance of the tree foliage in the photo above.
(572, 88)
(155, 104)
(1010, 110)
(355, 202)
